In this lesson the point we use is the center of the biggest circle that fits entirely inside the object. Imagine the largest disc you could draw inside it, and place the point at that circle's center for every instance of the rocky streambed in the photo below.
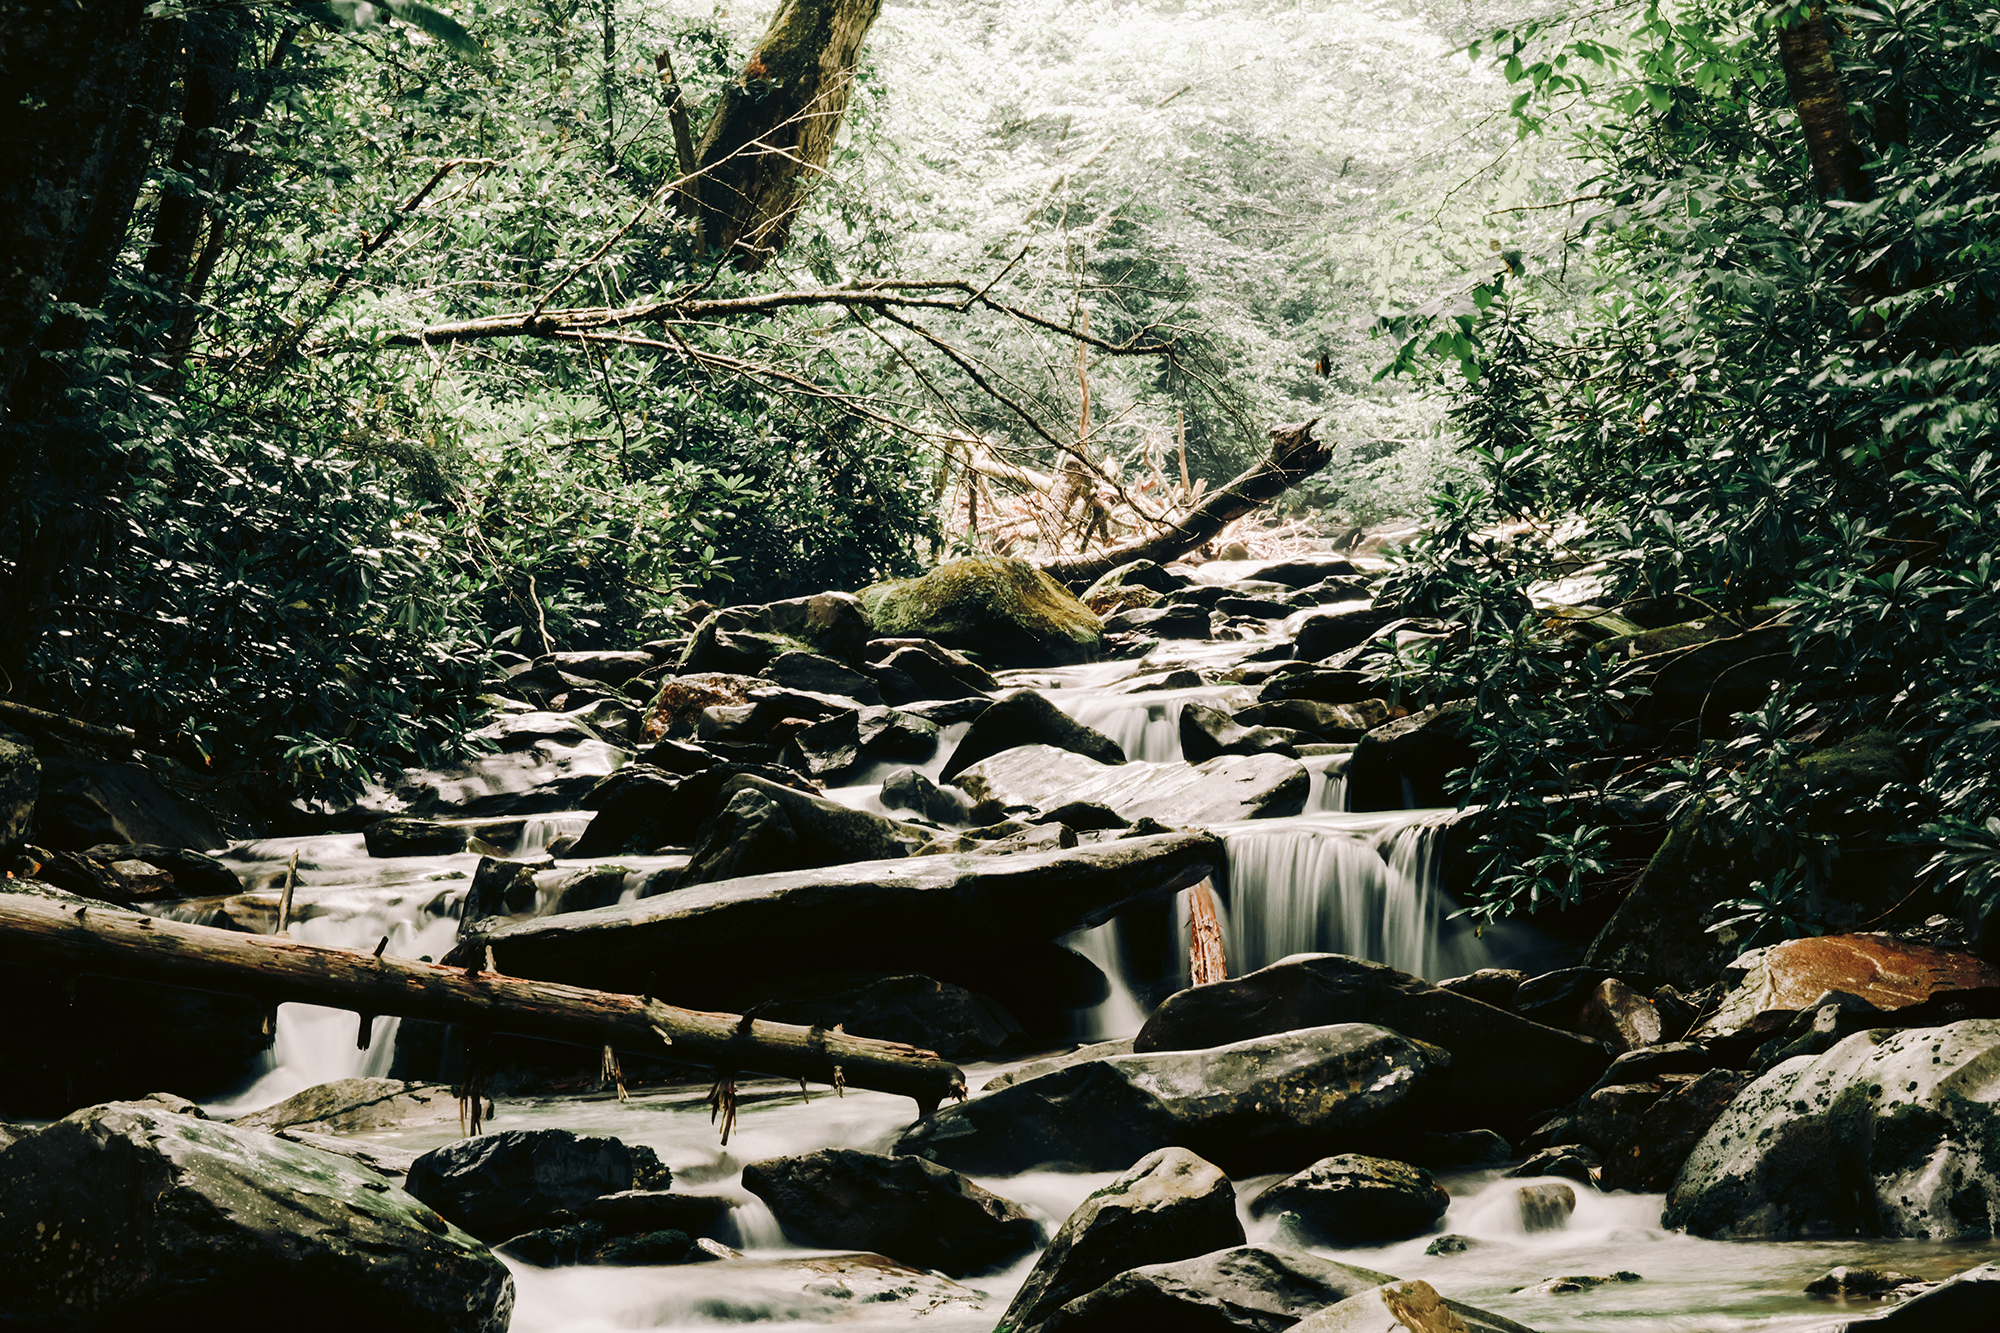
(825, 813)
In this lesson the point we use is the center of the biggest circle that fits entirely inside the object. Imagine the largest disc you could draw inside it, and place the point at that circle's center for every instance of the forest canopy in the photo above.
(349, 345)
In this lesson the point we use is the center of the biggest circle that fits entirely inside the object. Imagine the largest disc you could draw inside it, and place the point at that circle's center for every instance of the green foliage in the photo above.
(1742, 394)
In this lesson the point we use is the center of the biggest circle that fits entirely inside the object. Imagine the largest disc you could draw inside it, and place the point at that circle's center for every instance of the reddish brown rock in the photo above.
(1767, 986)
(676, 710)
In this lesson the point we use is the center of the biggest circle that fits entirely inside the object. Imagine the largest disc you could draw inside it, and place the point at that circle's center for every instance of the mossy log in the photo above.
(1295, 455)
(49, 933)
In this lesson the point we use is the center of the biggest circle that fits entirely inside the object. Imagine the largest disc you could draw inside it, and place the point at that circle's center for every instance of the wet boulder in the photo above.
(501, 1185)
(820, 675)
(745, 639)
(1545, 1207)
(81, 803)
(1006, 611)
(1245, 1289)
(1232, 787)
(1027, 718)
(1968, 1301)
(915, 670)
(1621, 1017)
(916, 1010)
(1503, 1067)
(1887, 1134)
(1169, 1205)
(1395, 1307)
(1649, 1157)
(762, 828)
(641, 808)
(356, 1105)
(905, 1208)
(908, 789)
(1267, 1104)
(1354, 1199)
(126, 1216)
(1331, 722)
(1207, 732)
(1318, 635)
(1406, 764)
(676, 709)
(1304, 571)
(592, 1243)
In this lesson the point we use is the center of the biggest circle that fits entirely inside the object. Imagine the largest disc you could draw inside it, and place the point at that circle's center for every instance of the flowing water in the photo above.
(1322, 880)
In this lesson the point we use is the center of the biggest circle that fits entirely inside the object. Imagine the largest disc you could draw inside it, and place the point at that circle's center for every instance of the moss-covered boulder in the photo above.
(1006, 611)
(126, 1216)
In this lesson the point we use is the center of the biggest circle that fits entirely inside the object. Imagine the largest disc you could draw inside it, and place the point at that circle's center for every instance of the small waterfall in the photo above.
(1119, 1014)
(1328, 775)
(1354, 885)
(314, 1044)
(538, 831)
(1147, 728)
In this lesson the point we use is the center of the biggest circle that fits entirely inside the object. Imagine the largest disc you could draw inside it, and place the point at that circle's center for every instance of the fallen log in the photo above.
(50, 933)
(1295, 455)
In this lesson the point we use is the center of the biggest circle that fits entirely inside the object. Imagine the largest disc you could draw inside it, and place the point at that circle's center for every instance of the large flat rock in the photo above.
(1268, 1104)
(1503, 1067)
(902, 914)
(1257, 786)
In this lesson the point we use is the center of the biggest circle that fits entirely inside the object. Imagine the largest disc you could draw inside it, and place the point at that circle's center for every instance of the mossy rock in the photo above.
(1006, 612)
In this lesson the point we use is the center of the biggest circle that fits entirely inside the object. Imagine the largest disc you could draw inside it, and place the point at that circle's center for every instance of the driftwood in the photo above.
(1295, 455)
(49, 933)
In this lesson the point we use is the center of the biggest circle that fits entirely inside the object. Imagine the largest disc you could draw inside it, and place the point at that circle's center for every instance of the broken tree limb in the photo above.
(50, 933)
(1295, 455)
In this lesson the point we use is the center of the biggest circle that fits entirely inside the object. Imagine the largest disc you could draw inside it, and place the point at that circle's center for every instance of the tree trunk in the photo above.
(776, 123)
(77, 79)
(210, 73)
(49, 933)
(1295, 455)
(1820, 96)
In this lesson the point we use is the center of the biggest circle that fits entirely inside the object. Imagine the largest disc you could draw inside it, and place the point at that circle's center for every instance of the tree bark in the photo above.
(49, 933)
(1295, 455)
(1820, 97)
(79, 78)
(776, 124)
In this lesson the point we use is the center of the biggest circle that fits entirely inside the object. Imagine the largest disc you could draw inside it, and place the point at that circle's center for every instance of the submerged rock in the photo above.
(1170, 1205)
(1005, 610)
(128, 1217)
(1358, 1200)
(762, 828)
(355, 1105)
(1246, 1289)
(905, 1208)
(1890, 1133)
(1394, 1307)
